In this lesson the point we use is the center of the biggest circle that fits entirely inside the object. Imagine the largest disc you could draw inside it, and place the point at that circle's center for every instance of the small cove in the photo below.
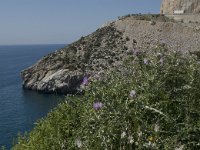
(20, 109)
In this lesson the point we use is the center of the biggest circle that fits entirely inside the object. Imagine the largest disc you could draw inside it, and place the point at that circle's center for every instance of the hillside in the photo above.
(153, 104)
(107, 47)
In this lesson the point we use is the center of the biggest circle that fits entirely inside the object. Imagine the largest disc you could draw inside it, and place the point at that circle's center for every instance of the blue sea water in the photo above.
(19, 109)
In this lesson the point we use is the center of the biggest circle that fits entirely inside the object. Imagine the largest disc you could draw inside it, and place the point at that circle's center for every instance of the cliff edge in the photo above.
(63, 71)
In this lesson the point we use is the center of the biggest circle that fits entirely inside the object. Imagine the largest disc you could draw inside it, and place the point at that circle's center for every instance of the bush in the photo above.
(151, 102)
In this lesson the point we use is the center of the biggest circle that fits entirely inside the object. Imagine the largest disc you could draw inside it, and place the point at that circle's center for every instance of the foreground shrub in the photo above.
(152, 101)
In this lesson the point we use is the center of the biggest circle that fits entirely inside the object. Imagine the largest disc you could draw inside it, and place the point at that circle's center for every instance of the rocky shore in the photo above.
(63, 71)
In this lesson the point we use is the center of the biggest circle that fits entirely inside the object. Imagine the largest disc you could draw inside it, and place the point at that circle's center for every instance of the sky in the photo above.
(62, 21)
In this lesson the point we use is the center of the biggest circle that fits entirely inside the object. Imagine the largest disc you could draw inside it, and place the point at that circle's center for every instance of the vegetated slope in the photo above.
(63, 71)
(153, 104)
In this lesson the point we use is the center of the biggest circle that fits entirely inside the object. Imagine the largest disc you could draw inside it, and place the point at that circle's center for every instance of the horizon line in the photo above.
(32, 44)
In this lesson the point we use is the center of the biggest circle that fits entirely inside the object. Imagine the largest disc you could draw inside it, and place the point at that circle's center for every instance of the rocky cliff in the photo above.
(188, 6)
(63, 71)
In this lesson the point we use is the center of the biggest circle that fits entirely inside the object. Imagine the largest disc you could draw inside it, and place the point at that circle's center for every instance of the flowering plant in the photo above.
(154, 105)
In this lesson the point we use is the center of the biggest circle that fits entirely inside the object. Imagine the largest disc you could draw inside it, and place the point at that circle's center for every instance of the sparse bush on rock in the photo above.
(152, 101)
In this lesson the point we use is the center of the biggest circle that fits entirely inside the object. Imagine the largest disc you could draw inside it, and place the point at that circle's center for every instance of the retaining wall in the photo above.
(186, 17)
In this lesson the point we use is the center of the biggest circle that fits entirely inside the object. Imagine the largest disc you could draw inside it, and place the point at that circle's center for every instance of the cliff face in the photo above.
(63, 71)
(188, 6)
(106, 48)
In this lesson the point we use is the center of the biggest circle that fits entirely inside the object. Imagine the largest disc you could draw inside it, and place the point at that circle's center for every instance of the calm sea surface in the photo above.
(20, 109)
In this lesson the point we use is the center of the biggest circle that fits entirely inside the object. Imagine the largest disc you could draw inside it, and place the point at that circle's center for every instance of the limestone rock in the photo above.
(63, 71)
(187, 6)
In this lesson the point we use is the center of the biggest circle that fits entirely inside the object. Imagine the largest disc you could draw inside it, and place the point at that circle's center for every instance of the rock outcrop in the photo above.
(187, 6)
(63, 70)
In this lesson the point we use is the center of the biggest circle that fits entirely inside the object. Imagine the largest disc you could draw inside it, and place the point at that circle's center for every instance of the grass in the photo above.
(152, 101)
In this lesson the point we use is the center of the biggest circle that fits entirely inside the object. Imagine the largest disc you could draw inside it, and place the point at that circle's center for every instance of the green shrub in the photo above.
(151, 102)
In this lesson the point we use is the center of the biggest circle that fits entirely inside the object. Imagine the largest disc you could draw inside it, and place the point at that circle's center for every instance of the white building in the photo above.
(178, 12)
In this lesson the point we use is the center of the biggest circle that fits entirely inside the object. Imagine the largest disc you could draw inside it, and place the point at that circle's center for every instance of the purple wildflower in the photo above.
(97, 105)
(85, 80)
(146, 62)
(136, 51)
(132, 93)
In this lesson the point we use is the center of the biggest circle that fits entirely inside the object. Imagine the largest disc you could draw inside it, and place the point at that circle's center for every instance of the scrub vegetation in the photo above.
(152, 101)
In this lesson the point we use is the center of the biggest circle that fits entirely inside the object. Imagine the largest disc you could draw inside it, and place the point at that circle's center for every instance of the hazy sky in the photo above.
(62, 21)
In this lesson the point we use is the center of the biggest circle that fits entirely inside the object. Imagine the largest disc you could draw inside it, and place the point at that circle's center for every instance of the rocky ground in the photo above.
(63, 71)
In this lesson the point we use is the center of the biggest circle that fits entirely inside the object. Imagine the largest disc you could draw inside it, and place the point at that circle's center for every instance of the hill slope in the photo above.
(64, 70)
(154, 105)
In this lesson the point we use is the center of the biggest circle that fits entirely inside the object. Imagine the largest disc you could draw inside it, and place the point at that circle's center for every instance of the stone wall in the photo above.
(186, 18)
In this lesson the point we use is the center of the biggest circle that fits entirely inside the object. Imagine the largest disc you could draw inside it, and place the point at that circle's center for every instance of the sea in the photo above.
(20, 109)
